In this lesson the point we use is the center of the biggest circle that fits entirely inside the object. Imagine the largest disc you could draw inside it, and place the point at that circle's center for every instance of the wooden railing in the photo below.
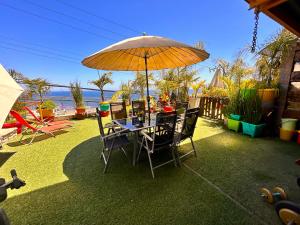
(212, 107)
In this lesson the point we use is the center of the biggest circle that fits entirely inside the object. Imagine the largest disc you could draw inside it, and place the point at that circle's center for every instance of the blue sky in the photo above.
(40, 43)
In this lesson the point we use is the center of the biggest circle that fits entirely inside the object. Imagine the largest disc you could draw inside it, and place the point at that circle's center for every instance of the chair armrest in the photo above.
(146, 135)
(115, 134)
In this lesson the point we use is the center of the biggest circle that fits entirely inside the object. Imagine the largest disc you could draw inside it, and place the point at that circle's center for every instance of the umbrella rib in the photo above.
(116, 61)
(104, 58)
(179, 59)
(201, 51)
(189, 54)
(112, 63)
(180, 52)
(132, 57)
(161, 59)
(153, 58)
(171, 60)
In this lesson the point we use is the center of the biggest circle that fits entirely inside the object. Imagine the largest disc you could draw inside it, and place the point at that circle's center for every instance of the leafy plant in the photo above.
(48, 104)
(125, 92)
(38, 86)
(196, 87)
(140, 83)
(252, 109)
(77, 94)
(234, 104)
(271, 54)
(103, 80)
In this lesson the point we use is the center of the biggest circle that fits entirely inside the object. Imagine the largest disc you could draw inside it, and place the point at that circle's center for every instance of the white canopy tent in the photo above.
(9, 92)
(217, 80)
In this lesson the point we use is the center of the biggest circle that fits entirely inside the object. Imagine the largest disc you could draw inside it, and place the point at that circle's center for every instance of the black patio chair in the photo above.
(138, 108)
(114, 141)
(161, 137)
(117, 111)
(180, 104)
(187, 129)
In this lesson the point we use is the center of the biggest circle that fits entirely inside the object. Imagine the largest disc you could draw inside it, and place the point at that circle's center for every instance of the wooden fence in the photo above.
(211, 107)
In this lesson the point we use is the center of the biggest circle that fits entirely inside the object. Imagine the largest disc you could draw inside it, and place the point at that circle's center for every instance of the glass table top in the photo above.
(134, 123)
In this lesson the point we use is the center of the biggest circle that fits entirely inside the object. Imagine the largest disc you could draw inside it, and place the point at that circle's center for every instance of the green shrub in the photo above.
(48, 104)
(252, 109)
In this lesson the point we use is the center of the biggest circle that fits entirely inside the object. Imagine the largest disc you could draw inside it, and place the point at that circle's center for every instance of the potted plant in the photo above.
(232, 111)
(47, 108)
(78, 99)
(269, 58)
(103, 80)
(38, 87)
(252, 116)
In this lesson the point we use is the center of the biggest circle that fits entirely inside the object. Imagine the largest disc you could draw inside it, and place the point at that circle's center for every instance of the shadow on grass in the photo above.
(125, 195)
(38, 138)
(4, 156)
(241, 165)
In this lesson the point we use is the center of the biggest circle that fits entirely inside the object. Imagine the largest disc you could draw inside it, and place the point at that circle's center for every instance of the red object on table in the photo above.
(12, 125)
(168, 109)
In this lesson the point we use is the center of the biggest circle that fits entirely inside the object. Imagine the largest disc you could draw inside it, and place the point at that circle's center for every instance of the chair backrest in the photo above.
(180, 104)
(189, 123)
(118, 110)
(138, 108)
(99, 119)
(32, 114)
(165, 128)
(21, 120)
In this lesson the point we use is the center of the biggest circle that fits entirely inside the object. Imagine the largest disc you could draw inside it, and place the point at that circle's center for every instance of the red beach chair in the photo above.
(50, 130)
(47, 122)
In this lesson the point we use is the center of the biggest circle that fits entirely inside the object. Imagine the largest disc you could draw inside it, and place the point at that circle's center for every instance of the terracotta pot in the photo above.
(46, 113)
(104, 113)
(268, 95)
(80, 111)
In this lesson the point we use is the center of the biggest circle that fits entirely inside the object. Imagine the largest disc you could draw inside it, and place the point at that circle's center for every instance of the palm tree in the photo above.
(239, 70)
(272, 53)
(126, 90)
(140, 83)
(38, 86)
(103, 80)
(186, 77)
(168, 82)
(17, 76)
(196, 87)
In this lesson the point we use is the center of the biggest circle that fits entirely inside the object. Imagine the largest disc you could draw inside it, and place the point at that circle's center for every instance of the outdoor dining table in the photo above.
(134, 125)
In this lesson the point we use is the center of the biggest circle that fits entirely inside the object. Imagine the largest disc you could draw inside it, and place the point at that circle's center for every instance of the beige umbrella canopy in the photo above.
(129, 54)
(145, 53)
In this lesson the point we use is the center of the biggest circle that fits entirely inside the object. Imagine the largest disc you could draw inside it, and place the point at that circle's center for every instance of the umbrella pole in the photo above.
(147, 82)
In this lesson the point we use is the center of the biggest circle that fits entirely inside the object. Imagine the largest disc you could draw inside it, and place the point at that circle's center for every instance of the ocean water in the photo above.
(63, 99)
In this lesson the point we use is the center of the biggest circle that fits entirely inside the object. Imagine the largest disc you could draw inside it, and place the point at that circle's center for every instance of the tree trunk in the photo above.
(102, 95)
(269, 80)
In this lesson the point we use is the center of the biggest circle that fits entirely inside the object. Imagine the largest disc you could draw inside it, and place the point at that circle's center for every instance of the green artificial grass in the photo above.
(65, 183)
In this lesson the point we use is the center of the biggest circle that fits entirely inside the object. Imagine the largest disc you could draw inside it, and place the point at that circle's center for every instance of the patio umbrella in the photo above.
(217, 80)
(145, 53)
(9, 92)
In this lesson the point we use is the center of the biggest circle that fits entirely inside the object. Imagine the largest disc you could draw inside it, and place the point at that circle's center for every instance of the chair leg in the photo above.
(173, 156)
(150, 162)
(195, 153)
(123, 150)
(32, 139)
(138, 157)
(107, 161)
